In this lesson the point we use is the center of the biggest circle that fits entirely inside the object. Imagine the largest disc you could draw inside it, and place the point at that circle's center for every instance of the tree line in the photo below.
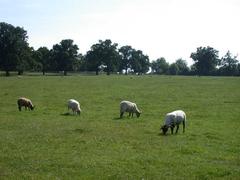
(104, 56)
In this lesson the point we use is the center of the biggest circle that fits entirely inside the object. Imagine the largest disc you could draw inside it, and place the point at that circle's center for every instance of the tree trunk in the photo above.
(20, 72)
(7, 73)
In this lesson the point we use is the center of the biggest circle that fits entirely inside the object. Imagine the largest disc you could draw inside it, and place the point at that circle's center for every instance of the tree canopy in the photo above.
(13, 47)
(160, 66)
(104, 56)
(64, 54)
(206, 60)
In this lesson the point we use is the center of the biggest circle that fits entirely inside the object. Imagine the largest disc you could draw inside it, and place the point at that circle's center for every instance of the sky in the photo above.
(171, 29)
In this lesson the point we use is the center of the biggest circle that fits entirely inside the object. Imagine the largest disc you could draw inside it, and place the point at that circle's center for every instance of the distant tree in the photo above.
(238, 68)
(42, 56)
(206, 60)
(126, 54)
(109, 55)
(103, 54)
(13, 45)
(182, 67)
(64, 54)
(229, 65)
(25, 60)
(193, 70)
(78, 63)
(83, 63)
(140, 62)
(173, 69)
(93, 58)
(160, 66)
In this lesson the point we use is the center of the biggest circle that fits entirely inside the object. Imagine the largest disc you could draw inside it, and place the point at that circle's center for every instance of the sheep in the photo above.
(27, 103)
(127, 106)
(74, 105)
(173, 119)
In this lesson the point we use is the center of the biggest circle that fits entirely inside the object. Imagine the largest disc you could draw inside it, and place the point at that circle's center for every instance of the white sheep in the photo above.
(27, 103)
(127, 106)
(173, 119)
(74, 105)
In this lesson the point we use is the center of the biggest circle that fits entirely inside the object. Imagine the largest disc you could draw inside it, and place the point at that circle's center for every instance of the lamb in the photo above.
(173, 119)
(27, 103)
(127, 106)
(74, 105)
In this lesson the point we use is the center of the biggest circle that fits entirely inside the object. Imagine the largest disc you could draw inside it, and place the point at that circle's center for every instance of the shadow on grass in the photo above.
(117, 118)
(167, 134)
(78, 130)
(67, 114)
(161, 134)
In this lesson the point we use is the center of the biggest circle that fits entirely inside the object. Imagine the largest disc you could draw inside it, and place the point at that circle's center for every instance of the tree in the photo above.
(206, 60)
(160, 66)
(78, 64)
(109, 55)
(103, 54)
(64, 54)
(229, 65)
(24, 60)
(42, 56)
(13, 45)
(82, 63)
(140, 62)
(174, 69)
(126, 53)
(93, 59)
(238, 68)
(182, 67)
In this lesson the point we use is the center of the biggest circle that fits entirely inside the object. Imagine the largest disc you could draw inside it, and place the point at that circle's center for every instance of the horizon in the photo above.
(168, 28)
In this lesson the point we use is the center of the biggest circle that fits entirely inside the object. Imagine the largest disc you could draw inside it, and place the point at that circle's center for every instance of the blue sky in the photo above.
(160, 28)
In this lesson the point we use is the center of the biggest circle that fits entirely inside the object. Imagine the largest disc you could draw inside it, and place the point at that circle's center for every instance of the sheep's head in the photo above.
(138, 113)
(32, 107)
(164, 128)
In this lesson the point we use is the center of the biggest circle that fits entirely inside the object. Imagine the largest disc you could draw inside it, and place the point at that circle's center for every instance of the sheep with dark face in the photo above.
(173, 119)
(130, 107)
(74, 105)
(27, 103)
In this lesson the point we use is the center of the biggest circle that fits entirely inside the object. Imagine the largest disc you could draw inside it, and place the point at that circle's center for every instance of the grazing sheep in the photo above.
(173, 119)
(127, 106)
(74, 105)
(27, 103)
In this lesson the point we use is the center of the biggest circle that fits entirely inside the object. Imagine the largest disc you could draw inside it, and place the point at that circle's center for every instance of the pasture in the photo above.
(47, 143)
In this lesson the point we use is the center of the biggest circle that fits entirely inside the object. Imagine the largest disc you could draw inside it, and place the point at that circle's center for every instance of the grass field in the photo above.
(49, 144)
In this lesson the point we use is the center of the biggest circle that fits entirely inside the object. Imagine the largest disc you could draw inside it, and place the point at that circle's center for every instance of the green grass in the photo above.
(47, 144)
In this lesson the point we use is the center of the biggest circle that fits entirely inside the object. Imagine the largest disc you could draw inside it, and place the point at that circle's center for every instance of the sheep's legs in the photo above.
(177, 129)
(121, 114)
(172, 129)
(130, 114)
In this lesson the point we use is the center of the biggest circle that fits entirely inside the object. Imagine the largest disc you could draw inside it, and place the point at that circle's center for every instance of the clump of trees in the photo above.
(106, 56)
